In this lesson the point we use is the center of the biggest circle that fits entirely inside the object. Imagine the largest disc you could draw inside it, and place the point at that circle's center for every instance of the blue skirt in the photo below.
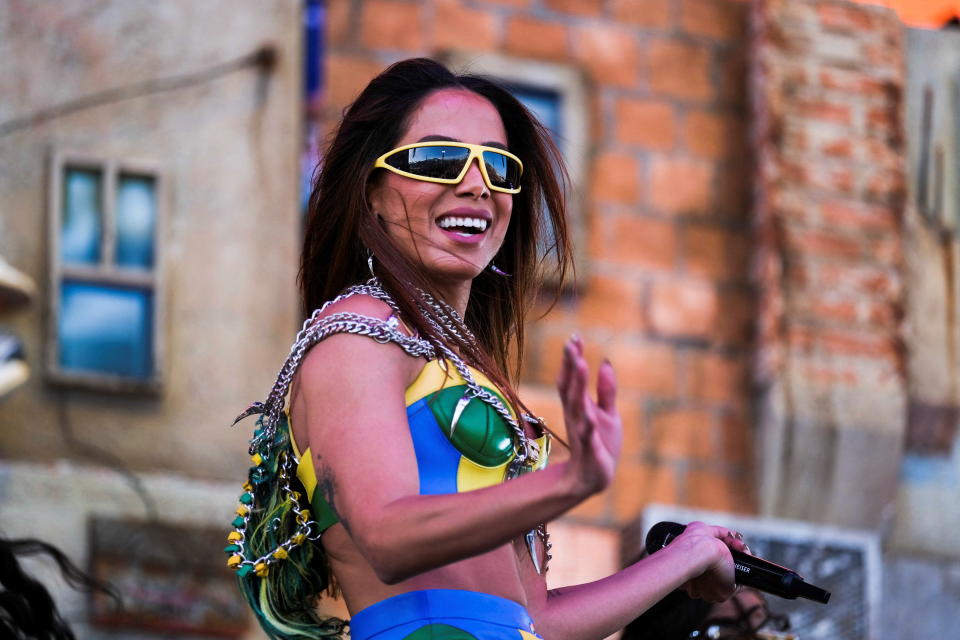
(443, 614)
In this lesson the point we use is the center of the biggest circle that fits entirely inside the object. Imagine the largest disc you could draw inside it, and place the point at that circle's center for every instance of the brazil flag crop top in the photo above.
(454, 452)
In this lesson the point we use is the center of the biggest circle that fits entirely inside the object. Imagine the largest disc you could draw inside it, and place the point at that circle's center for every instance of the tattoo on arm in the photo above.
(327, 486)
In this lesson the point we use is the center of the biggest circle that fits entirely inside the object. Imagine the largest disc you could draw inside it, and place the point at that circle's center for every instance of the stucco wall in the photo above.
(227, 147)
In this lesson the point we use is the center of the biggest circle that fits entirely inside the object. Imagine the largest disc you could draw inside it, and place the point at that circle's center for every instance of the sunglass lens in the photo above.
(431, 162)
(504, 172)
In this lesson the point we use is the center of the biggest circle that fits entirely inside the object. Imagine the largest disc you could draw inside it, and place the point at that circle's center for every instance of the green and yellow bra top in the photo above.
(460, 446)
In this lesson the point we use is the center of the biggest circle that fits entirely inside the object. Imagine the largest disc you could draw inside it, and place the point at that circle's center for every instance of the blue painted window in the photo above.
(106, 329)
(136, 221)
(545, 104)
(81, 227)
(106, 294)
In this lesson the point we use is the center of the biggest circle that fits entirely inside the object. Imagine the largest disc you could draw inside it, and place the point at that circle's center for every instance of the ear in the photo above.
(374, 194)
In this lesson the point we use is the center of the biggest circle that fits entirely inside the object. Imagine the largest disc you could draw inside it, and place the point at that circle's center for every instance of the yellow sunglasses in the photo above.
(447, 162)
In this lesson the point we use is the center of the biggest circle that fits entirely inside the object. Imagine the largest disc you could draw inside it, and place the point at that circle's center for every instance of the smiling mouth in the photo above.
(463, 225)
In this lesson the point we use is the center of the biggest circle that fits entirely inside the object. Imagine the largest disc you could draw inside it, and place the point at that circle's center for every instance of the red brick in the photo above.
(872, 280)
(715, 253)
(615, 178)
(826, 375)
(529, 37)
(680, 186)
(679, 69)
(683, 434)
(392, 25)
(737, 323)
(848, 18)
(733, 191)
(648, 123)
(736, 441)
(641, 242)
(816, 243)
(857, 216)
(639, 484)
(457, 27)
(346, 77)
(888, 186)
(733, 77)
(720, 19)
(588, 8)
(644, 367)
(719, 491)
(687, 308)
(650, 13)
(854, 82)
(611, 303)
(610, 54)
(593, 508)
(714, 135)
(824, 110)
(852, 342)
(634, 432)
(338, 22)
(718, 378)
(842, 148)
(883, 316)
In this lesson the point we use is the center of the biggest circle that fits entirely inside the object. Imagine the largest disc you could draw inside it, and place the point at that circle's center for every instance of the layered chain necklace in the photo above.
(447, 323)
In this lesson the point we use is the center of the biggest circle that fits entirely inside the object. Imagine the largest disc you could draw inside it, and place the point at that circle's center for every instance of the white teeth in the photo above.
(450, 221)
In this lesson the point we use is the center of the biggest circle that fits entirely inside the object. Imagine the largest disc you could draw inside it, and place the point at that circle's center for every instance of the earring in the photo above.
(497, 270)
(370, 263)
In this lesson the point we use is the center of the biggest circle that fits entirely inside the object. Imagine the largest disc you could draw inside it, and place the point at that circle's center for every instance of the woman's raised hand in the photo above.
(593, 428)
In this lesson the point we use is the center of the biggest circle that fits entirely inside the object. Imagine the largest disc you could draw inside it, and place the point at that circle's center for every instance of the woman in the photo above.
(424, 481)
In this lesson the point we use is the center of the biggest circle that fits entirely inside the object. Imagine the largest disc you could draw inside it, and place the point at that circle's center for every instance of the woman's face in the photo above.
(453, 230)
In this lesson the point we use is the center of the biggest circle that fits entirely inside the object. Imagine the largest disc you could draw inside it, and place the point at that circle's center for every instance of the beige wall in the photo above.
(227, 149)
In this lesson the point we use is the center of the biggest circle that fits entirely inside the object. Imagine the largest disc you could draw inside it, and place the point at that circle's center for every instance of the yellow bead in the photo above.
(298, 539)
(257, 459)
(234, 561)
(242, 510)
(247, 486)
(261, 569)
(280, 553)
(234, 536)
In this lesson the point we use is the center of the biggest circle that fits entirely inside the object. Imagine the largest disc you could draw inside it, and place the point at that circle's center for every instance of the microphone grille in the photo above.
(661, 534)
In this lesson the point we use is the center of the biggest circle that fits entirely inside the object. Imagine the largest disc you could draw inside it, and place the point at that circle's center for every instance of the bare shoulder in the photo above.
(345, 356)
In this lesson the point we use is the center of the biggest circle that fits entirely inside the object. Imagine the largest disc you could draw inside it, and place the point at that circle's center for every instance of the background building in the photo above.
(764, 205)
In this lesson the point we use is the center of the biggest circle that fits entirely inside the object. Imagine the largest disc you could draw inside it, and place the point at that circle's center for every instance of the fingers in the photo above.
(606, 387)
(573, 383)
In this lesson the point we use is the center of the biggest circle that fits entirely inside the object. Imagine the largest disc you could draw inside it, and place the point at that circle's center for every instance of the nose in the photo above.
(473, 184)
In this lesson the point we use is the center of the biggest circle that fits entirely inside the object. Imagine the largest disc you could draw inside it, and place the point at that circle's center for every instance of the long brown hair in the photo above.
(341, 228)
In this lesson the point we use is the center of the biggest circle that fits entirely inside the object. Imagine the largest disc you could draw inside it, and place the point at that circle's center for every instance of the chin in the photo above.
(454, 270)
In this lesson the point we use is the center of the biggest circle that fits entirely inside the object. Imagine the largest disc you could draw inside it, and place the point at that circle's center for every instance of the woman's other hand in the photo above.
(716, 582)
(594, 431)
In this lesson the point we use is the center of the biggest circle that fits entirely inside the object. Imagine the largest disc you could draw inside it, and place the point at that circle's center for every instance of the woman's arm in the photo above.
(698, 561)
(351, 396)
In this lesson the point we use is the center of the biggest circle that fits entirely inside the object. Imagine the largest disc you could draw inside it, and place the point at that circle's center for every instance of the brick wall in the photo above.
(663, 291)
(831, 183)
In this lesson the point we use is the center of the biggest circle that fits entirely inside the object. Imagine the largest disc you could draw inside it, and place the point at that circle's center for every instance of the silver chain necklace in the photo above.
(451, 329)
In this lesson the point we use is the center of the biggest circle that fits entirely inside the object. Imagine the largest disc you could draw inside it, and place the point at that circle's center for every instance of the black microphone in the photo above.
(751, 571)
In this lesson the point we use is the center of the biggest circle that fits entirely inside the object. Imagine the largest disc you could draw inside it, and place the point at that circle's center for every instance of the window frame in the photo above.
(105, 272)
(571, 84)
